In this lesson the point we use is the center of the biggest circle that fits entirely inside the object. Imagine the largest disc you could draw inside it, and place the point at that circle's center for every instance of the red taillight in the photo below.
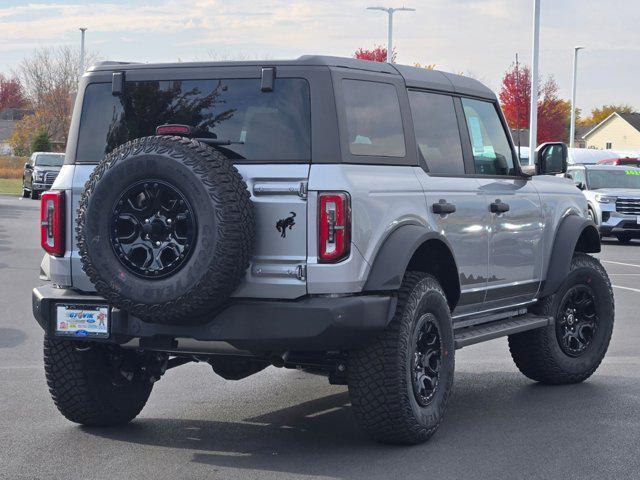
(52, 222)
(173, 129)
(334, 229)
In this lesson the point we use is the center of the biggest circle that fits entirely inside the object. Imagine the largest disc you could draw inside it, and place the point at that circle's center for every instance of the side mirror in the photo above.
(28, 166)
(551, 158)
(581, 185)
(568, 175)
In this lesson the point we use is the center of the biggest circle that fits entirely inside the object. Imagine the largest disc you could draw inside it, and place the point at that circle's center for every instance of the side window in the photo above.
(437, 134)
(491, 151)
(578, 176)
(374, 124)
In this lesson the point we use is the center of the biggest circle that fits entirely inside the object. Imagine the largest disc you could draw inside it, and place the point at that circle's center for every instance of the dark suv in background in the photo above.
(40, 172)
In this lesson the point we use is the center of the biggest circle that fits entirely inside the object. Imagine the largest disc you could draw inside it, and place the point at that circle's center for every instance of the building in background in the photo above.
(8, 119)
(619, 131)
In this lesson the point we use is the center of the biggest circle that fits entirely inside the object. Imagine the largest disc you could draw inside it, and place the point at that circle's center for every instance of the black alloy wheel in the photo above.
(426, 360)
(153, 229)
(577, 322)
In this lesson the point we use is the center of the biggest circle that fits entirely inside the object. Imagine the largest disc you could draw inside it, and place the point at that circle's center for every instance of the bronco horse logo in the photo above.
(285, 223)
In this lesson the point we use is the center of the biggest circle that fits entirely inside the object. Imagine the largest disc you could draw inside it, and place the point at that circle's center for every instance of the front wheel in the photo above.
(25, 192)
(572, 347)
(624, 238)
(95, 385)
(400, 384)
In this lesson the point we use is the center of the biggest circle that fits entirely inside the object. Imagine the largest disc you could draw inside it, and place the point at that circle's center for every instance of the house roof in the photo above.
(582, 130)
(632, 119)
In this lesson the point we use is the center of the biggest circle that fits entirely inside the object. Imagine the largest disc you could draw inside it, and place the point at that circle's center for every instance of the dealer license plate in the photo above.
(82, 321)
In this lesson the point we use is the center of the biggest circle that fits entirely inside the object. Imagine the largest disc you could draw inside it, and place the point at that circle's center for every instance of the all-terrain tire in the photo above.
(380, 376)
(223, 245)
(82, 389)
(538, 354)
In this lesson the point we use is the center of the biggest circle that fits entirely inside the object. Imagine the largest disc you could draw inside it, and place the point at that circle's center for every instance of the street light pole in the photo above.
(533, 112)
(572, 128)
(390, 11)
(82, 30)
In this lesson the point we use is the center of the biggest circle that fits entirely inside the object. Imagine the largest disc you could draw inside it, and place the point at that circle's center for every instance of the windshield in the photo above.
(254, 125)
(613, 179)
(49, 160)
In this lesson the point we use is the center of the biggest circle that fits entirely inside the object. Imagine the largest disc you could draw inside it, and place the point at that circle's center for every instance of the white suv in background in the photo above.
(613, 193)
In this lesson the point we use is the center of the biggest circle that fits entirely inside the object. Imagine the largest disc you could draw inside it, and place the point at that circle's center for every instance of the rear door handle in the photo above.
(499, 207)
(443, 207)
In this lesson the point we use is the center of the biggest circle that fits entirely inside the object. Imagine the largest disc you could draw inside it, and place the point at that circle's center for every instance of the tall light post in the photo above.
(82, 30)
(533, 119)
(390, 11)
(572, 128)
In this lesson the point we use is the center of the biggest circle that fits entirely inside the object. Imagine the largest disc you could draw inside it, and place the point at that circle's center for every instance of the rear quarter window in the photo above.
(260, 126)
(374, 123)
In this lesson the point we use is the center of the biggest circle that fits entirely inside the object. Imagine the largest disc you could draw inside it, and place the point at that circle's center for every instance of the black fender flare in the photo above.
(393, 257)
(573, 233)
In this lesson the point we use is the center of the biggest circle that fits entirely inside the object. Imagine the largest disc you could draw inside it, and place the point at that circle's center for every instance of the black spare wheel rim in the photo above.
(577, 321)
(153, 229)
(426, 359)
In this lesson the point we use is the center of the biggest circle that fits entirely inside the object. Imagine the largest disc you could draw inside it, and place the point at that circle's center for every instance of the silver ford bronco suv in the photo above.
(356, 219)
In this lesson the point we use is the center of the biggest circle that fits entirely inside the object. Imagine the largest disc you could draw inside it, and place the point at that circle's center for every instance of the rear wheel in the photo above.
(400, 384)
(571, 349)
(624, 237)
(96, 385)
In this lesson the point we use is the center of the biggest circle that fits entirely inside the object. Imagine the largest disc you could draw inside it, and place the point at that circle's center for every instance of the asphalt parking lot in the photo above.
(287, 424)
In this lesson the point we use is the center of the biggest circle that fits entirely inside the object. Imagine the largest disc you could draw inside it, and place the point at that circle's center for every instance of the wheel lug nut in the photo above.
(158, 244)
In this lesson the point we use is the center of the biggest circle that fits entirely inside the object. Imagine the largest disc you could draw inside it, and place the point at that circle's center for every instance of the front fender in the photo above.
(574, 233)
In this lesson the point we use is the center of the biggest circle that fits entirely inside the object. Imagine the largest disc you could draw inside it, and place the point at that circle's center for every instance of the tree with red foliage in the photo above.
(11, 94)
(515, 97)
(377, 54)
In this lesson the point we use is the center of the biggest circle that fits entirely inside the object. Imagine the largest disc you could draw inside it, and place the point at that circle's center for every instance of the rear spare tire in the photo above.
(165, 229)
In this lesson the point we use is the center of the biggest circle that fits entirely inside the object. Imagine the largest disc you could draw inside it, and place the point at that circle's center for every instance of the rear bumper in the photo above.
(256, 326)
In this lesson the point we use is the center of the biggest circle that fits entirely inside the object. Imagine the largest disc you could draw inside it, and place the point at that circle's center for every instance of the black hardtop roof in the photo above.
(414, 77)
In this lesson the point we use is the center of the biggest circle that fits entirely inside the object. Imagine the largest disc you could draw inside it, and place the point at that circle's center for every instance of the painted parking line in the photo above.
(621, 263)
(626, 288)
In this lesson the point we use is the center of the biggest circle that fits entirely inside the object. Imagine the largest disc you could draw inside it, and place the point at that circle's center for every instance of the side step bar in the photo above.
(501, 328)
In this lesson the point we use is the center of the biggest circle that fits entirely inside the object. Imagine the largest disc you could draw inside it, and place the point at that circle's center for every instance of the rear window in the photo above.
(374, 124)
(260, 126)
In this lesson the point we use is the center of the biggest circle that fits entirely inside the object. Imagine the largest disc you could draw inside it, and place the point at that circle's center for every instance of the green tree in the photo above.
(41, 141)
(599, 114)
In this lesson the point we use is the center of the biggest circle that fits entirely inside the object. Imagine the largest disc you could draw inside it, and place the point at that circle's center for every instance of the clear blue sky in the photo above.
(476, 36)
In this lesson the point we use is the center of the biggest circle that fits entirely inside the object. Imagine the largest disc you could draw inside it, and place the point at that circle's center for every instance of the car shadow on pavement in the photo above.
(494, 418)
